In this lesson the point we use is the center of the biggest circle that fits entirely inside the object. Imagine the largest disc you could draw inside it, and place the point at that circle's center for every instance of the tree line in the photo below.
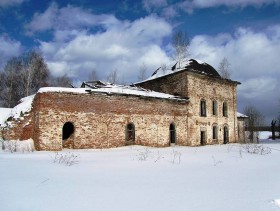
(24, 75)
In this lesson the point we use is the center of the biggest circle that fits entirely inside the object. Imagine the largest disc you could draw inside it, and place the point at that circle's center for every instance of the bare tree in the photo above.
(22, 76)
(1, 86)
(278, 119)
(93, 75)
(142, 72)
(273, 125)
(11, 84)
(278, 126)
(35, 72)
(62, 81)
(254, 121)
(180, 43)
(113, 77)
(224, 68)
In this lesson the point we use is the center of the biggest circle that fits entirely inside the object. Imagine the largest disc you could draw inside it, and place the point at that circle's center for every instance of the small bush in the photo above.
(215, 163)
(143, 154)
(69, 159)
(175, 157)
(147, 154)
(256, 149)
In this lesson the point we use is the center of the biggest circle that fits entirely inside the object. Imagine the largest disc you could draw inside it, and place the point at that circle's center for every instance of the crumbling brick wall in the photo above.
(197, 87)
(100, 120)
(20, 129)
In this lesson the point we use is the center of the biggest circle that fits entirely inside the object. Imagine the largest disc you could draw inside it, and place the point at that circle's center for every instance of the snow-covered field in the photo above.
(218, 177)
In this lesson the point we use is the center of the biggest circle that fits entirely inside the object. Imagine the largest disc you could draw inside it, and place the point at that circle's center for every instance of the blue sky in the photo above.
(76, 37)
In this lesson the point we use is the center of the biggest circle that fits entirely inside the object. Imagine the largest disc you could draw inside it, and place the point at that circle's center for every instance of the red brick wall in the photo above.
(20, 130)
(100, 120)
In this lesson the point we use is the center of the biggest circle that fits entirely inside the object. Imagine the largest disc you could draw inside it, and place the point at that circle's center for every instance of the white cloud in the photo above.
(122, 45)
(254, 58)
(190, 5)
(44, 21)
(258, 50)
(258, 87)
(7, 3)
(8, 49)
(172, 9)
(230, 3)
(151, 4)
(67, 18)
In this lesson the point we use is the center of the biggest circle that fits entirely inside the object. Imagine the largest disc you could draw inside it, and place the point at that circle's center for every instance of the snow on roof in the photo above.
(19, 110)
(4, 114)
(241, 115)
(24, 106)
(114, 89)
(191, 65)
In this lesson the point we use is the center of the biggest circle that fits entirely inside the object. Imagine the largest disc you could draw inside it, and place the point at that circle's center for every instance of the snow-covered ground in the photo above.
(218, 177)
(266, 135)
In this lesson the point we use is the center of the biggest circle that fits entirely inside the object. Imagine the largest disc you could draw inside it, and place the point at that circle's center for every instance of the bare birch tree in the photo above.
(224, 68)
(180, 42)
(93, 75)
(22, 76)
(35, 72)
(253, 122)
(62, 81)
(142, 72)
(11, 83)
(113, 77)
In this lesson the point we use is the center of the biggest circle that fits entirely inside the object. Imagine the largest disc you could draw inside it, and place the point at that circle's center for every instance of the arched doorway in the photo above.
(225, 135)
(67, 135)
(130, 134)
(172, 133)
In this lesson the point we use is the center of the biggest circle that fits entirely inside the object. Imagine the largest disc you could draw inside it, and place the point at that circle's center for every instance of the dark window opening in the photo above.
(172, 132)
(67, 131)
(215, 132)
(202, 138)
(225, 135)
(214, 108)
(130, 134)
(203, 108)
(238, 129)
(225, 109)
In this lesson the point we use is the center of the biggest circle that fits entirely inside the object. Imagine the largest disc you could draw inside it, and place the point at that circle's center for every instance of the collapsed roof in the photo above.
(113, 89)
(190, 65)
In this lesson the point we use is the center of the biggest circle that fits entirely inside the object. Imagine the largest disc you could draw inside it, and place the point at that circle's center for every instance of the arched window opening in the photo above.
(225, 110)
(225, 135)
(203, 108)
(215, 133)
(172, 133)
(214, 108)
(67, 130)
(130, 134)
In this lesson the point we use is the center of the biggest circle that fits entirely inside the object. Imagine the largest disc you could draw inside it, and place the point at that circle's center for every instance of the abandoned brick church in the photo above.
(189, 105)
